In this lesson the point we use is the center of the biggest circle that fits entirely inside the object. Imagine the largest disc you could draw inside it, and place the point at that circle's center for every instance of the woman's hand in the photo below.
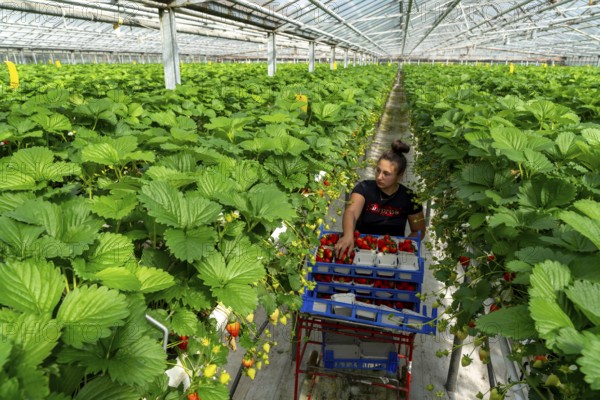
(344, 243)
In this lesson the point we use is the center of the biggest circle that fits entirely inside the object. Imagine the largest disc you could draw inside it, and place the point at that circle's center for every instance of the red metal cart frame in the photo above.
(403, 341)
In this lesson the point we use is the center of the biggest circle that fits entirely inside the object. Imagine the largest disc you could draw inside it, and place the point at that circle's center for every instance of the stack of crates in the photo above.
(368, 287)
(372, 287)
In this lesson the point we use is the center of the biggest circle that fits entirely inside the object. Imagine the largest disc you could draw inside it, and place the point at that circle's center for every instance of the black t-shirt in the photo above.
(383, 214)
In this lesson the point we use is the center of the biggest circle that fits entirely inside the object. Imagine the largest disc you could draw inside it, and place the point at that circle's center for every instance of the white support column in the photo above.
(34, 58)
(271, 54)
(332, 58)
(346, 58)
(170, 50)
(354, 60)
(311, 56)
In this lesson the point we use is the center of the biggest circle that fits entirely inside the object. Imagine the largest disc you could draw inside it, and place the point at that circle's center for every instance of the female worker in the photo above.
(382, 206)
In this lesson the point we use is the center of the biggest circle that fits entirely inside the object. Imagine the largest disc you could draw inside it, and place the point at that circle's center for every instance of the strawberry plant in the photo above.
(120, 199)
(507, 160)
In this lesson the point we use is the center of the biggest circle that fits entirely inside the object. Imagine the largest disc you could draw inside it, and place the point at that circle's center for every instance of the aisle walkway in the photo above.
(276, 382)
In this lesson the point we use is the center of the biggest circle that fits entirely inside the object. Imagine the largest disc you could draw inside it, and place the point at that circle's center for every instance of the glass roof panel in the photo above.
(536, 29)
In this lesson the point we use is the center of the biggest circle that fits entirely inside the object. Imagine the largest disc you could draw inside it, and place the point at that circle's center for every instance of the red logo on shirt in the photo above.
(386, 211)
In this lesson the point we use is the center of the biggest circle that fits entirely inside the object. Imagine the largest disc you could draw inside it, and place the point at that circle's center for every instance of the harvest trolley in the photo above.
(360, 317)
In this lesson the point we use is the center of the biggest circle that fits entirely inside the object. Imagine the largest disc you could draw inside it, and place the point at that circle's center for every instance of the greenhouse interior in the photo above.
(205, 199)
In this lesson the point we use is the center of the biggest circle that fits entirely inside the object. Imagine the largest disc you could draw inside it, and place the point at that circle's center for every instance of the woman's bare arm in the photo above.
(351, 215)
(417, 223)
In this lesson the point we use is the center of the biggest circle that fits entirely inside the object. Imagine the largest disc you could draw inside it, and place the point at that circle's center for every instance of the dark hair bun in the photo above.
(399, 147)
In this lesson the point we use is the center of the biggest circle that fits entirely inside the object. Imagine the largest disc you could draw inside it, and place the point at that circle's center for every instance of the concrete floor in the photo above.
(276, 381)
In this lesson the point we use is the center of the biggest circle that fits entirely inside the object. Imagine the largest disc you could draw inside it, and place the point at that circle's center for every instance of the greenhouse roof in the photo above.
(530, 29)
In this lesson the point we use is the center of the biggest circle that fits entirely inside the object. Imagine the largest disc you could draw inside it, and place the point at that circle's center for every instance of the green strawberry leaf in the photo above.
(548, 278)
(31, 286)
(184, 321)
(586, 296)
(114, 206)
(191, 245)
(230, 283)
(119, 278)
(104, 388)
(138, 363)
(549, 318)
(511, 322)
(35, 336)
(153, 279)
(112, 250)
(588, 225)
(590, 362)
(171, 207)
(213, 391)
(89, 312)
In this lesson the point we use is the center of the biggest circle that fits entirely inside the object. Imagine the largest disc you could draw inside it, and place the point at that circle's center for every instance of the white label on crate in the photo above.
(408, 261)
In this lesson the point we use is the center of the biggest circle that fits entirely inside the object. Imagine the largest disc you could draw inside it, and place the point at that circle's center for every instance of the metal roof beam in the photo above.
(406, 25)
(185, 3)
(437, 21)
(296, 23)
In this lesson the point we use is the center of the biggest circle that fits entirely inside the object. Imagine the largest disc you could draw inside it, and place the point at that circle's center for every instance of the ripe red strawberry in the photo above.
(509, 276)
(193, 396)
(464, 261)
(326, 182)
(494, 307)
(233, 328)
(184, 342)
(491, 257)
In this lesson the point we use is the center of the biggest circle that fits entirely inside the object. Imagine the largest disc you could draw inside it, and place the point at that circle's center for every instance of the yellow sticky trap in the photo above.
(303, 99)
(544, 65)
(210, 62)
(134, 62)
(511, 68)
(13, 74)
(58, 64)
(334, 66)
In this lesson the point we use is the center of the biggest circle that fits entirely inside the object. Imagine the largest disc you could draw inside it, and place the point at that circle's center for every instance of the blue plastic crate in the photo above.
(408, 320)
(374, 364)
(375, 272)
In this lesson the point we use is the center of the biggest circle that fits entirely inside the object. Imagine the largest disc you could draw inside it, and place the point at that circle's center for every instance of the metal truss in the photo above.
(388, 29)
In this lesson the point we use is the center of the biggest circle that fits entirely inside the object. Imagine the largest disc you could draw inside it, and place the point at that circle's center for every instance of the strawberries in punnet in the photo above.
(322, 278)
(367, 242)
(363, 281)
(330, 239)
(386, 244)
(407, 245)
(342, 279)
(408, 286)
(324, 254)
(346, 258)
